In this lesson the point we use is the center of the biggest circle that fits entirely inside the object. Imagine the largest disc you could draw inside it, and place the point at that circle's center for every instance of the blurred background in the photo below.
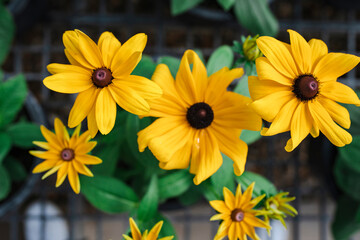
(307, 173)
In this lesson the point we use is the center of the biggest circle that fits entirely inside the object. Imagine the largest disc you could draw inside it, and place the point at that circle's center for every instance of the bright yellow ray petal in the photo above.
(266, 71)
(127, 237)
(62, 173)
(136, 234)
(232, 231)
(91, 122)
(61, 131)
(238, 195)
(154, 232)
(68, 82)
(339, 92)
(261, 88)
(199, 74)
(222, 230)
(129, 100)
(44, 145)
(44, 166)
(81, 168)
(314, 131)
(83, 148)
(246, 198)
(89, 50)
(229, 198)
(167, 238)
(105, 111)
(318, 50)
(88, 159)
(180, 159)
(337, 112)
(219, 216)
(334, 65)
(278, 55)
(301, 51)
(254, 221)
(51, 155)
(123, 70)
(53, 170)
(220, 206)
(55, 68)
(144, 87)
(84, 102)
(74, 179)
(108, 45)
(337, 136)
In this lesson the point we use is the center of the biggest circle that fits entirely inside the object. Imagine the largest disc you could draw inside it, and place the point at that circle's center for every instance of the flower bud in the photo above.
(250, 48)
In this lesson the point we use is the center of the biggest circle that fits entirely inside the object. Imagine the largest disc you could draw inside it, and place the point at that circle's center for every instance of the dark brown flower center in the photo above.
(306, 87)
(102, 77)
(200, 115)
(237, 215)
(67, 154)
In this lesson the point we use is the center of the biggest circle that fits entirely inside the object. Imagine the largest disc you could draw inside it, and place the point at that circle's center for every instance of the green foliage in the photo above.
(15, 169)
(108, 194)
(22, 134)
(5, 146)
(354, 116)
(181, 6)
(12, 96)
(7, 31)
(149, 203)
(145, 67)
(174, 184)
(221, 57)
(347, 218)
(5, 183)
(226, 4)
(191, 196)
(224, 176)
(256, 16)
(209, 191)
(262, 185)
(172, 62)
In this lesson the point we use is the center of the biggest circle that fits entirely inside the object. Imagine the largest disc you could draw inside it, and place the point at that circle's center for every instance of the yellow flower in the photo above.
(152, 235)
(198, 118)
(237, 214)
(100, 73)
(66, 155)
(297, 89)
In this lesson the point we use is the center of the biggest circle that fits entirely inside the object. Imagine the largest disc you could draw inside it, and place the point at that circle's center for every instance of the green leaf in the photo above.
(354, 116)
(174, 184)
(256, 16)
(262, 185)
(249, 136)
(181, 6)
(5, 146)
(12, 96)
(15, 169)
(345, 221)
(224, 176)
(172, 62)
(222, 57)
(22, 134)
(209, 191)
(5, 183)
(226, 4)
(149, 204)
(108, 194)
(145, 67)
(191, 196)
(200, 54)
(7, 31)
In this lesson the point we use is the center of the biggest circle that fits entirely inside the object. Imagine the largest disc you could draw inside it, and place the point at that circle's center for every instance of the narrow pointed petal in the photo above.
(108, 45)
(154, 232)
(61, 131)
(91, 122)
(123, 70)
(84, 148)
(229, 198)
(51, 171)
(55, 68)
(44, 166)
(301, 51)
(318, 50)
(105, 111)
(88, 159)
(74, 179)
(339, 92)
(136, 234)
(89, 50)
(44, 145)
(337, 112)
(266, 71)
(81, 168)
(61, 174)
(220, 206)
(72, 50)
(68, 82)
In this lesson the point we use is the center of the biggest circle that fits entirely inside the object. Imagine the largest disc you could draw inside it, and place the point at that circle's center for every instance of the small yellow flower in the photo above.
(65, 155)
(100, 73)
(152, 235)
(277, 207)
(197, 119)
(250, 48)
(237, 214)
(297, 89)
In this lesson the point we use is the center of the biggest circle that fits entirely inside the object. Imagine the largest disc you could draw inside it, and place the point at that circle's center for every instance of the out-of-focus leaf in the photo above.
(200, 54)
(22, 134)
(12, 96)
(108, 194)
(346, 220)
(16, 170)
(7, 31)
(226, 4)
(5, 146)
(149, 204)
(191, 196)
(249, 136)
(145, 67)
(354, 116)
(209, 191)
(172, 62)
(256, 16)
(221, 57)
(181, 6)
(262, 185)
(224, 176)
(5, 183)
(174, 184)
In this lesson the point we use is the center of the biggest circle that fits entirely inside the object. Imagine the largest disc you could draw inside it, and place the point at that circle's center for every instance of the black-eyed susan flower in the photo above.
(197, 119)
(297, 89)
(152, 235)
(238, 216)
(68, 156)
(278, 207)
(101, 74)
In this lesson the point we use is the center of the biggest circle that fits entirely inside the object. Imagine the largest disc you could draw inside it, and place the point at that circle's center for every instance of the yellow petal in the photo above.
(153, 234)
(83, 148)
(108, 45)
(53, 170)
(91, 122)
(301, 51)
(84, 102)
(129, 100)
(220, 206)
(44, 145)
(261, 88)
(314, 131)
(219, 216)
(238, 195)
(339, 92)
(136, 234)
(246, 197)
(180, 159)
(337, 112)
(318, 50)
(167, 238)
(123, 69)
(51, 155)
(68, 82)
(301, 125)
(144, 87)
(51, 139)
(279, 56)
(72, 50)
(334, 65)
(62, 173)
(268, 107)
(61, 131)
(55, 68)
(44, 166)
(81, 168)
(337, 136)
(222, 230)
(105, 111)
(127, 237)
(89, 50)
(232, 231)
(229, 198)
(74, 179)
(266, 71)
(253, 221)
(88, 159)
